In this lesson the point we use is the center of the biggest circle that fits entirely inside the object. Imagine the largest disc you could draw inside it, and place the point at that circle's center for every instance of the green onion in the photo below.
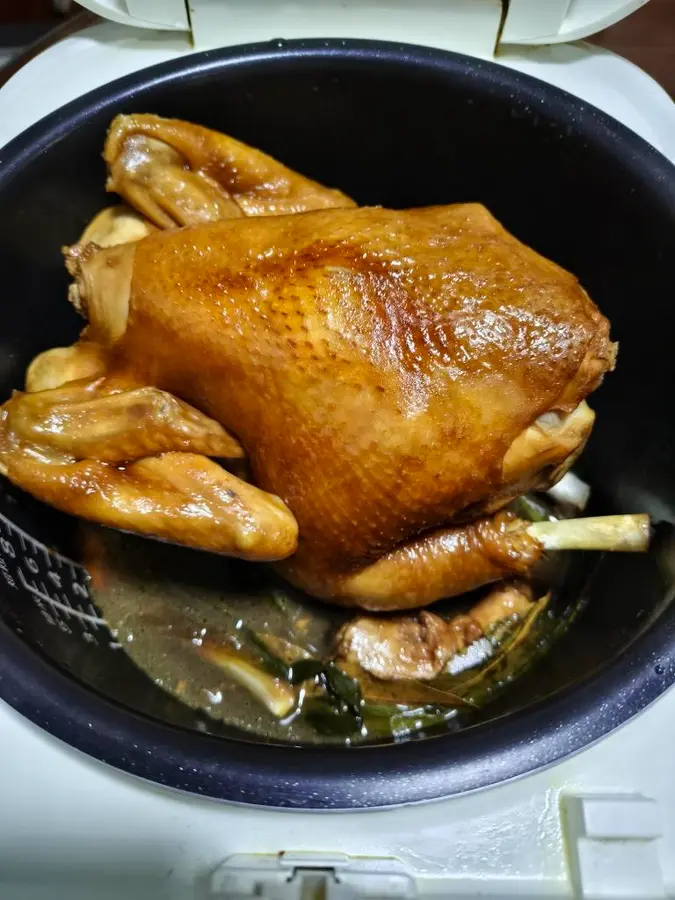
(328, 720)
(271, 663)
(528, 507)
(342, 688)
(304, 670)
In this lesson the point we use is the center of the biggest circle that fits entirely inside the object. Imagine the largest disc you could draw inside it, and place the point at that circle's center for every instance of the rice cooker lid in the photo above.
(478, 29)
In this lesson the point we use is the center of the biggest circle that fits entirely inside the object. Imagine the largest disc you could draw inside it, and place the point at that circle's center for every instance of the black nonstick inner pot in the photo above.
(398, 126)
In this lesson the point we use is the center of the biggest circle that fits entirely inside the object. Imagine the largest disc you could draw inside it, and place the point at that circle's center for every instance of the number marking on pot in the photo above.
(57, 584)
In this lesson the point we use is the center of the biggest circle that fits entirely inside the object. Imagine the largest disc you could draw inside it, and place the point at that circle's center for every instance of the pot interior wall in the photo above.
(400, 132)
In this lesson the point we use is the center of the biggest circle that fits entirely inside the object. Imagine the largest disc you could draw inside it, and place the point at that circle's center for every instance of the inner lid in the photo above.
(465, 25)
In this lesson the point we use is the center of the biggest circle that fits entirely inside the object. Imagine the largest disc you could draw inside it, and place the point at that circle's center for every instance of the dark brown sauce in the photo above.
(164, 603)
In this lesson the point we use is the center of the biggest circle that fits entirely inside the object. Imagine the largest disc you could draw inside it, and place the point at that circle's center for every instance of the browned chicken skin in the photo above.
(406, 648)
(113, 421)
(136, 458)
(52, 368)
(177, 173)
(378, 367)
(443, 563)
(179, 497)
(389, 375)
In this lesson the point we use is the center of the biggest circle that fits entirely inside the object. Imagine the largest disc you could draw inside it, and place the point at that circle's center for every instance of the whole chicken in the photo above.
(394, 379)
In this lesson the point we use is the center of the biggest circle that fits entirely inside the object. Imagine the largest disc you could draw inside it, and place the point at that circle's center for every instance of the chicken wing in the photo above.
(111, 421)
(180, 497)
(132, 458)
(116, 225)
(53, 368)
(176, 173)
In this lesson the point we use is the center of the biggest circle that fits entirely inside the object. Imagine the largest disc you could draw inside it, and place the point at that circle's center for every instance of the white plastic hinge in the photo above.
(612, 846)
(162, 15)
(557, 21)
(469, 26)
(293, 876)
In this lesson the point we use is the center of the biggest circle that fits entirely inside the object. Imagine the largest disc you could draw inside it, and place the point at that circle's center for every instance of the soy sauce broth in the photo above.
(164, 604)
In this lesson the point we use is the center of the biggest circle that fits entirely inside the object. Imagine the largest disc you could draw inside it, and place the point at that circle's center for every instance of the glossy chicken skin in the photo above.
(404, 648)
(176, 173)
(377, 367)
(178, 497)
(136, 458)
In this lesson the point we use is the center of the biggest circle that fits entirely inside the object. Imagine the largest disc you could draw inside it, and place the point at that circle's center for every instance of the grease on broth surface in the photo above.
(175, 611)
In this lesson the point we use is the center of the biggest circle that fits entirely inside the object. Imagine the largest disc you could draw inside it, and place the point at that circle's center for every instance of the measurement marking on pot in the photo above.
(57, 585)
(55, 579)
(6, 573)
(70, 610)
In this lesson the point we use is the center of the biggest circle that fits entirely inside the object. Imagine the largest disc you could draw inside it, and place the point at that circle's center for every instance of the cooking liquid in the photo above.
(163, 603)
